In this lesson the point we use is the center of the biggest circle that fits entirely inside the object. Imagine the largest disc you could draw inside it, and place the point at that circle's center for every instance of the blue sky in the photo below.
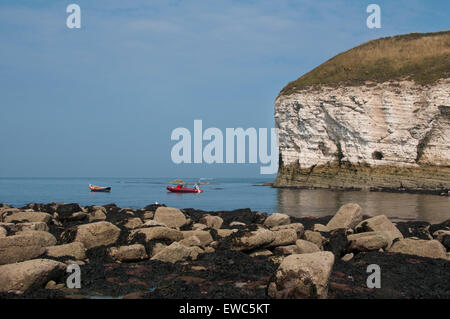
(103, 100)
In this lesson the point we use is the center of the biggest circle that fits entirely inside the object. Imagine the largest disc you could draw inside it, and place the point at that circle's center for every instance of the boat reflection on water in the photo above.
(397, 206)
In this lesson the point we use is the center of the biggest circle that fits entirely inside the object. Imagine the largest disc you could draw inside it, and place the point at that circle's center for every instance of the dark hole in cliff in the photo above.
(280, 161)
(377, 155)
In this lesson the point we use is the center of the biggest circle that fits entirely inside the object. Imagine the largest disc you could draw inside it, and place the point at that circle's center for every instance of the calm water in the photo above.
(223, 194)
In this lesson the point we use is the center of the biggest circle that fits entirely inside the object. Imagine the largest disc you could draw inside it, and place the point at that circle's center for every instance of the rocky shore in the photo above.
(345, 176)
(164, 252)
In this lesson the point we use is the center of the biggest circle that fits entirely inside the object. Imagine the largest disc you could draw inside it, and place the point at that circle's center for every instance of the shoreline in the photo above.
(433, 180)
(162, 252)
(368, 189)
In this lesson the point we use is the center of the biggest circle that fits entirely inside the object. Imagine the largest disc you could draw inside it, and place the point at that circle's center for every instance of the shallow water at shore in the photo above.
(397, 206)
(223, 194)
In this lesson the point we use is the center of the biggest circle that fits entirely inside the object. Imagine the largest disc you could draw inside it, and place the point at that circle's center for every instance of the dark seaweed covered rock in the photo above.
(226, 269)
(417, 229)
(446, 242)
(65, 211)
(245, 215)
(46, 208)
(309, 222)
(36, 294)
(402, 276)
(444, 226)
(226, 274)
(336, 242)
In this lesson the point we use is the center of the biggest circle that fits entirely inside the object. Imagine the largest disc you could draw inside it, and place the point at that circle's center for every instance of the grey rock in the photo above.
(348, 216)
(302, 276)
(30, 274)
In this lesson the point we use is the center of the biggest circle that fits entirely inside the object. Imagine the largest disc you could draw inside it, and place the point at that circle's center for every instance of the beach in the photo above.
(164, 252)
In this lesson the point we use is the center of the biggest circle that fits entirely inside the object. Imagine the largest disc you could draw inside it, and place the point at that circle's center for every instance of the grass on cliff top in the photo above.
(422, 57)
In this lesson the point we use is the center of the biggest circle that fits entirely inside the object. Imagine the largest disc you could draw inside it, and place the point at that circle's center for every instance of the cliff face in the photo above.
(390, 134)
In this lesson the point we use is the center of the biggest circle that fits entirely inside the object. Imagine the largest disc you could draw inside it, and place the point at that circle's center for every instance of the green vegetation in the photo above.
(422, 57)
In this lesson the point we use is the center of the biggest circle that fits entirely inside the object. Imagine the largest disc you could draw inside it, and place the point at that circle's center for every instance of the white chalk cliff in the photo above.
(401, 124)
(393, 133)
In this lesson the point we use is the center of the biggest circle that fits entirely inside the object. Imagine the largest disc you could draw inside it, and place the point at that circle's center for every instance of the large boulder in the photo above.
(97, 234)
(129, 253)
(348, 216)
(254, 239)
(97, 213)
(419, 247)
(171, 217)
(379, 223)
(27, 216)
(160, 233)
(191, 241)
(75, 250)
(277, 219)
(40, 226)
(147, 215)
(44, 237)
(7, 211)
(203, 235)
(298, 227)
(133, 223)
(212, 221)
(24, 246)
(306, 247)
(30, 274)
(314, 237)
(302, 276)
(156, 248)
(369, 241)
(225, 232)
(284, 237)
(177, 252)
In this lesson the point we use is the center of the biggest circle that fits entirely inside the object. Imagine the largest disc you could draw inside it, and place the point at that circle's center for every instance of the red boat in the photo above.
(94, 188)
(180, 189)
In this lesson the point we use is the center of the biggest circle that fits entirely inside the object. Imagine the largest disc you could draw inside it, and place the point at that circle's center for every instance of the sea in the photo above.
(223, 194)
